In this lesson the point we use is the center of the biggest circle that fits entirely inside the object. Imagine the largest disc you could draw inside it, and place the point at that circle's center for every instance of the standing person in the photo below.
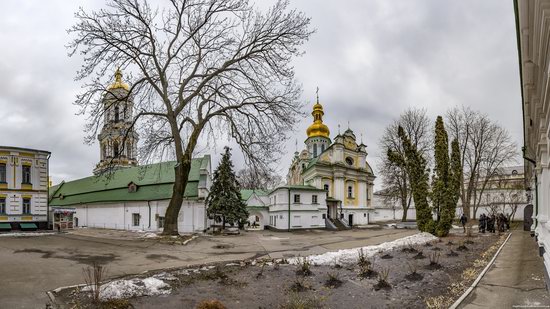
(463, 220)
(482, 223)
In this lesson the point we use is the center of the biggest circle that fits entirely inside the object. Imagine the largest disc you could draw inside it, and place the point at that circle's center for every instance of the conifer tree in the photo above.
(446, 179)
(225, 197)
(415, 164)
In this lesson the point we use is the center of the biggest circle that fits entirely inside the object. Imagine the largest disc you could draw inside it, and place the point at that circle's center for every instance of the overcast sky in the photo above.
(370, 59)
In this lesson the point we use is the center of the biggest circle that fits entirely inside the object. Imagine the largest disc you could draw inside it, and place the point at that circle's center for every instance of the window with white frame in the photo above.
(26, 174)
(135, 219)
(296, 198)
(314, 199)
(3, 173)
(26, 206)
(2, 205)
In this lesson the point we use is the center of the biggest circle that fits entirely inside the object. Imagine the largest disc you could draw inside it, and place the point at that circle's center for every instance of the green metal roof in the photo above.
(154, 181)
(5, 226)
(247, 193)
(28, 226)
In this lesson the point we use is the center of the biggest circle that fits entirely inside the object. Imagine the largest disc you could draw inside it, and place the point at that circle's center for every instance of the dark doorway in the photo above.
(527, 217)
(350, 219)
(76, 221)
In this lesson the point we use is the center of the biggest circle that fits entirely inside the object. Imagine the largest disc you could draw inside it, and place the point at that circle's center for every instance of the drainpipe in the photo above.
(48, 193)
(289, 209)
(536, 185)
(149, 204)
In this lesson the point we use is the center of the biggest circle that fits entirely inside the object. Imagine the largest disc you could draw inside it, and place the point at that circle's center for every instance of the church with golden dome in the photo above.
(339, 167)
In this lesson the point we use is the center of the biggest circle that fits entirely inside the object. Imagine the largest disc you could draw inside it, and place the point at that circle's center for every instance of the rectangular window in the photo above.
(296, 198)
(26, 174)
(2, 172)
(161, 222)
(350, 192)
(324, 216)
(26, 206)
(314, 199)
(135, 219)
(2, 205)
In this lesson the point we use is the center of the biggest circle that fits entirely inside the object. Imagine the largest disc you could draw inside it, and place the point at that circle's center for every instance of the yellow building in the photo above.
(23, 188)
(339, 167)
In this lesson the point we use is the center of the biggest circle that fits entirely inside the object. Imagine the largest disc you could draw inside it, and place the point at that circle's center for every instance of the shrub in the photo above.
(413, 274)
(333, 281)
(362, 258)
(304, 267)
(367, 270)
(93, 277)
(434, 261)
(297, 301)
(299, 285)
(211, 304)
(383, 280)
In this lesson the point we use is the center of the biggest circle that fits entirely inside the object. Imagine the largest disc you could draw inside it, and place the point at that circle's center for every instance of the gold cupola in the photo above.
(118, 82)
(318, 128)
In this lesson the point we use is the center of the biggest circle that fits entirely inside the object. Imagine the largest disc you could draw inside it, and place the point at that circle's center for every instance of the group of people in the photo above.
(489, 222)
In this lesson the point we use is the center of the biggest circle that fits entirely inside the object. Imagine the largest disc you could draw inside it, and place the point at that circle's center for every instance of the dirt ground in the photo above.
(412, 281)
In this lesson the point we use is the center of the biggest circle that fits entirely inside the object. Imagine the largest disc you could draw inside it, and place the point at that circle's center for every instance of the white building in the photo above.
(136, 198)
(338, 167)
(532, 34)
(23, 188)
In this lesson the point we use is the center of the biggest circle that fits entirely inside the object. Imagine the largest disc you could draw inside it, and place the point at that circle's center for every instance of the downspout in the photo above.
(536, 185)
(289, 209)
(48, 193)
(149, 205)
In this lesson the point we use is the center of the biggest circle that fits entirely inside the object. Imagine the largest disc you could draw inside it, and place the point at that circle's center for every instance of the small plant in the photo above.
(362, 258)
(304, 267)
(383, 280)
(333, 281)
(93, 277)
(434, 260)
(211, 304)
(299, 285)
(297, 301)
(413, 274)
(261, 272)
(367, 270)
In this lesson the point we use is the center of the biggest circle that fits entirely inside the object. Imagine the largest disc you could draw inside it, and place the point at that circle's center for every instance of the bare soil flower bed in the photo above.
(393, 279)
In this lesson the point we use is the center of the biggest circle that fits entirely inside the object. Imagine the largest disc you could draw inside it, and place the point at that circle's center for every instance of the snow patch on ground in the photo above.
(23, 234)
(350, 256)
(149, 235)
(132, 288)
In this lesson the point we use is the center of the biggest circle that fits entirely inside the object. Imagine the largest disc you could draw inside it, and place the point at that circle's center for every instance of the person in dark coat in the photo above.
(491, 224)
(482, 223)
(463, 220)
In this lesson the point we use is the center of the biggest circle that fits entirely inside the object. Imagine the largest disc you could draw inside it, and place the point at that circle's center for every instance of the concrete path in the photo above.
(30, 266)
(516, 279)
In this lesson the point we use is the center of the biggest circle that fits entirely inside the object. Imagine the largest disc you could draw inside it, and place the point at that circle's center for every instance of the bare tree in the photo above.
(395, 178)
(258, 179)
(212, 68)
(485, 147)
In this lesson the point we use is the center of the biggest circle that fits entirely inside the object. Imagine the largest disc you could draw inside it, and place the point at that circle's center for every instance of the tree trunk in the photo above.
(405, 205)
(180, 182)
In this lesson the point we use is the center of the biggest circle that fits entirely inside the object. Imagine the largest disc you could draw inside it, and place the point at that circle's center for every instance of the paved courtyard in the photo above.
(32, 265)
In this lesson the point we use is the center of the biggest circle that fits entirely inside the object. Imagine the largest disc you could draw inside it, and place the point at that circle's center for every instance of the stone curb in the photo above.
(475, 283)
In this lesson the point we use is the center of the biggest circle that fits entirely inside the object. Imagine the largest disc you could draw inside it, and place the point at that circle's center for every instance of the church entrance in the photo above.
(332, 210)
(350, 219)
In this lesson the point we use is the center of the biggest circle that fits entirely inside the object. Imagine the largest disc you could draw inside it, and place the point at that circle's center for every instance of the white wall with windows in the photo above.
(141, 215)
(306, 206)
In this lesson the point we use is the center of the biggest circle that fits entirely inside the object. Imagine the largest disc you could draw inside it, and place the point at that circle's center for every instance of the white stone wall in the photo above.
(120, 215)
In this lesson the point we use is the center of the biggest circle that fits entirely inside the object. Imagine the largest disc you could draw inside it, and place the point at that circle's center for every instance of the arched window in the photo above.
(117, 118)
(350, 191)
(314, 150)
(115, 149)
(326, 187)
(322, 148)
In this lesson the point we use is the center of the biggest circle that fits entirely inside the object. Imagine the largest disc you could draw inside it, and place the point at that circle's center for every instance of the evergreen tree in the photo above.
(225, 197)
(415, 164)
(446, 179)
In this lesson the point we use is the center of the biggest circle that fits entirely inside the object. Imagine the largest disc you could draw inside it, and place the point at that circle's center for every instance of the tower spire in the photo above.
(317, 93)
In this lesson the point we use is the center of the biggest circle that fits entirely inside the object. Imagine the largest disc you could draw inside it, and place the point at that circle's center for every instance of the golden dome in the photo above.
(318, 128)
(118, 82)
